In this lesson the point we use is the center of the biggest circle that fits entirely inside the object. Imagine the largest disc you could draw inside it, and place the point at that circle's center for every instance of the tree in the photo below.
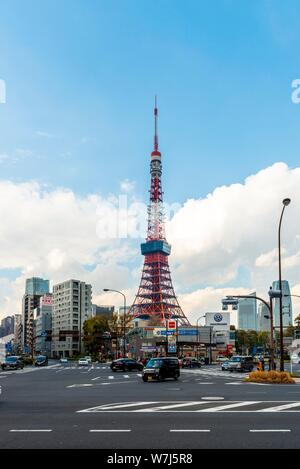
(95, 332)
(242, 341)
(297, 321)
(289, 331)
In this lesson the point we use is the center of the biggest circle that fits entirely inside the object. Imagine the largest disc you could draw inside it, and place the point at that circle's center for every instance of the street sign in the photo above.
(171, 324)
(172, 344)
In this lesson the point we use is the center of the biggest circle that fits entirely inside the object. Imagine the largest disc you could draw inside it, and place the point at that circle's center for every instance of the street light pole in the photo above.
(124, 319)
(270, 308)
(285, 202)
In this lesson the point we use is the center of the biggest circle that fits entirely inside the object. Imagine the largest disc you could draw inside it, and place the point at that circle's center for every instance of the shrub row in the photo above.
(270, 377)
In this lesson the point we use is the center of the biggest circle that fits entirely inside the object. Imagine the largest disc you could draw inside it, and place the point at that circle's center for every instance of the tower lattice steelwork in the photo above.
(156, 297)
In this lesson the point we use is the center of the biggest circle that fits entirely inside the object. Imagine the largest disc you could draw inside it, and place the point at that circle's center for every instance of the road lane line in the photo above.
(189, 431)
(30, 431)
(109, 431)
(267, 431)
(229, 406)
(281, 407)
(125, 376)
(79, 385)
(111, 377)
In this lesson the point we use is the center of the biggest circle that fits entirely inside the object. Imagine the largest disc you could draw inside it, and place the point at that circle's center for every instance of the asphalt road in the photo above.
(70, 407)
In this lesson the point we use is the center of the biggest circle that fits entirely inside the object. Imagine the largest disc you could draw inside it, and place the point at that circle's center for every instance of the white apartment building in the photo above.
(72, 305)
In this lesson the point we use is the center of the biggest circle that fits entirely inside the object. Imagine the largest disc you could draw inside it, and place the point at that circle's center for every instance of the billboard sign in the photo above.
(219, 320)
(171, 324)
(161, 332)
(172, 344)
(47, 300)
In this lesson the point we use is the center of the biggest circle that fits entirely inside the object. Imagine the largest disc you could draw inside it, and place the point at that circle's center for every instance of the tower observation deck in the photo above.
(156, 297)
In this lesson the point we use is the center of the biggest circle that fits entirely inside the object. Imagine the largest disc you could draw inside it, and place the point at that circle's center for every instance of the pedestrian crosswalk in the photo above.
(197, 406)
(216, 373)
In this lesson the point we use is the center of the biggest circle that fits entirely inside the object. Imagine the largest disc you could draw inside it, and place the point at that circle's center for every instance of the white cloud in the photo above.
(221, 244)
(127, 186)
(3, 157)
(234, 227)
(43, 134)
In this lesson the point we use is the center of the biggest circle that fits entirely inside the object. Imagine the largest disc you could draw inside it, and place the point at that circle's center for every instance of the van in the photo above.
(161, 368)
(241, 363)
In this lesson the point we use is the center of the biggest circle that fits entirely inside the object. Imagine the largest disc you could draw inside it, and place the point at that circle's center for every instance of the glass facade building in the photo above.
(247, 316)
(36, 286)
(263, 323)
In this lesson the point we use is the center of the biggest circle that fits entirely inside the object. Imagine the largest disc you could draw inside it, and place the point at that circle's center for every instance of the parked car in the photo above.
(161, 368)
(12, 363)
(191, 362)
(41, 360)
(295, 357)
(221, 359)
(241, 363)
(225, 366)
(63, 361)
(83, 362)
(89, 359)
(126, 364)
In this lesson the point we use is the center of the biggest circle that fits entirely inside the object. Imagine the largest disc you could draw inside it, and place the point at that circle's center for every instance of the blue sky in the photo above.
(81, 77)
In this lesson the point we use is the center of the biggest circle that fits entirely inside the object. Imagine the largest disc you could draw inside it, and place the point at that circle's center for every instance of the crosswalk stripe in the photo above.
(125, 376)
(133, 404)
(111, 377)
(281, 407)
(229, 406)
(172, 406)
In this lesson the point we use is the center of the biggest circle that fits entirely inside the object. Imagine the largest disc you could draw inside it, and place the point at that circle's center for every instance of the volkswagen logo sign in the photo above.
(218, 317)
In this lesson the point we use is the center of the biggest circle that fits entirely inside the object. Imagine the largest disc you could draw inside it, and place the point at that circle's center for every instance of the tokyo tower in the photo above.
(156, 298)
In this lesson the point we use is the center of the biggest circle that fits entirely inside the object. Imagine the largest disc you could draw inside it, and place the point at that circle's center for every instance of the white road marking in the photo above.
(229, 406)
(109, 431)
(205, 383)
(94, 379)
(216, 398)
(139, 374)
(190, 431)
(125, 376)
(238, 384)
(111, 377)
(172, 406)
(30, 431)
(266, 431)
(79, 385)
(282, 407)
(115, 406)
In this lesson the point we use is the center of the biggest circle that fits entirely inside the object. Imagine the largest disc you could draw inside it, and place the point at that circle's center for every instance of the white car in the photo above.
(295, 358)
(83, 362)
(88, 359)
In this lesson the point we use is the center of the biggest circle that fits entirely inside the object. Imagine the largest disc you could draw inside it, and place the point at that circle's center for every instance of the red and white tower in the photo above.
(156, 297)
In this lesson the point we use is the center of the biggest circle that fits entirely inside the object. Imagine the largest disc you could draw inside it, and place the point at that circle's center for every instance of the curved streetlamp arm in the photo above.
(250, 296)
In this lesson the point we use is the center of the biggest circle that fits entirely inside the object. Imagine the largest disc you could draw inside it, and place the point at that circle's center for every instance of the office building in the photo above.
(43, 326)
(287, 312)
(263, 323)
(35, 288)
(102, 310)
(7, 326)
(247, 316)
(72, 305)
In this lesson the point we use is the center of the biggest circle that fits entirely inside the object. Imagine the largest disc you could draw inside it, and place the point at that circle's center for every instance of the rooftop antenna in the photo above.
(155, 124)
